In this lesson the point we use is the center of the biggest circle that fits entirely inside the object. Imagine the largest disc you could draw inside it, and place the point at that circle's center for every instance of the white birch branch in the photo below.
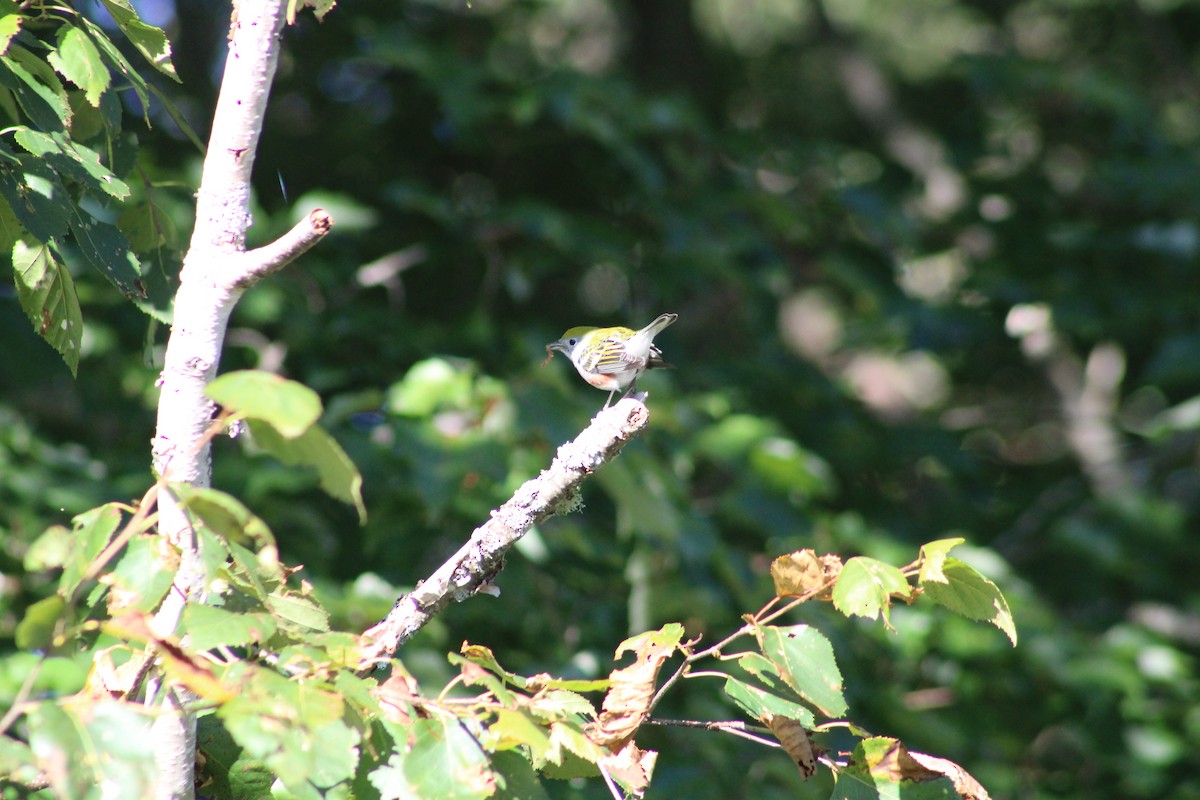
(473, 568)
(216, 271)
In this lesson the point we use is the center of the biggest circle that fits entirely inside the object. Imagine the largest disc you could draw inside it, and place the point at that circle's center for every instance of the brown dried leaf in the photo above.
(804, 573)
(179, 664)
(108, 680)
(395, 697)
(632, 688)
(630, 767)
(795, 742)
(966, 786)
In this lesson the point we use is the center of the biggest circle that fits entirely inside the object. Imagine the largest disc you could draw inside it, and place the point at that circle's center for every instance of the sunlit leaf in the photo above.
(805, 661)
(116, 738)
(118, 62)
(758, 702)
(47, 295)
(36, 629)
(73, 161)
(966, 592)
(142, 575)
(865, 588)
(10, 23)
(77, 59)
(36, 196)
(92, 531)
(441, 761)
(208, 627)
(933, 556)
(881, 769)
(338, 476)
(150, 41)
(291, 408)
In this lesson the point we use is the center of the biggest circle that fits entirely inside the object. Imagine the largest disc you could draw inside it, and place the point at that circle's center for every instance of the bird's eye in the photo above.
(571, 342)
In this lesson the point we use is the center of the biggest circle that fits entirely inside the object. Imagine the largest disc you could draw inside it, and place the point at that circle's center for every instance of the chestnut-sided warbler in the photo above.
(612, 359)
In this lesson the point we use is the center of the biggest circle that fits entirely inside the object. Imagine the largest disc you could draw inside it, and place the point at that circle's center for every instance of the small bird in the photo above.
(612, 359)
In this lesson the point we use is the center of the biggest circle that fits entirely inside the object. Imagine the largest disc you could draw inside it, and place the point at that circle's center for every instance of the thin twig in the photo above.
(734, 726)
(132, 528)
(612, 786)
(15, 710)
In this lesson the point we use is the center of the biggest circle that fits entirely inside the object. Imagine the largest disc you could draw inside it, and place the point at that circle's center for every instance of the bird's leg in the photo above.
(609, 400)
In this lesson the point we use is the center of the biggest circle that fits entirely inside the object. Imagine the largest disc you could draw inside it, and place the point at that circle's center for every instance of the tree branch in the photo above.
(216, 270)
(273, 257)
(473, 568)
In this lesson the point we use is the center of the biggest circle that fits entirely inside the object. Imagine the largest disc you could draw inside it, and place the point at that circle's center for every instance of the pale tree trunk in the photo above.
(216, 270)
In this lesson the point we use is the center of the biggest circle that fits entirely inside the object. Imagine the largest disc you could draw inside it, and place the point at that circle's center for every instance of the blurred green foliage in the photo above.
(935, 264)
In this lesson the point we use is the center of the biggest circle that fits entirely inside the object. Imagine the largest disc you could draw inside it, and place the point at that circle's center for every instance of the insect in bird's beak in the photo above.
(549, 355)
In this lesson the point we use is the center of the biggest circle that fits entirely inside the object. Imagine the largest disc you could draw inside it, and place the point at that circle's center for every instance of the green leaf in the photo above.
(118, 62)
(429, 385)
(150, 41)
(559, 704)
(36, 197)
(92, 751)
(572, 754)
(73, 161)
(146, 226)
(50, 550)
(758, 702)
(17, 762)
(36, 88)
(964, 591)
(93, 530)
(289, 407)
(35, 631)
(881, 769)
(517, 728)
(334, 753)
(229, 771)
(667, 637)
(10, 227)
(160, 280)
(46, 292)
(933, 557)
(439, 761)
(208, 627)
(338, 476)
(515, 778)
(804, 658)
(484, 677)
(224, 514)
(299, 610)
(320, 9)
(865, 588)
(10, 23)
(141, 577)
(105, 248)
(290, 725)
(78, 60)
(223, 523)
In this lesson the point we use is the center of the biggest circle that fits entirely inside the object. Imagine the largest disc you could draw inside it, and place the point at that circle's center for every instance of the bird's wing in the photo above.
(612, 358)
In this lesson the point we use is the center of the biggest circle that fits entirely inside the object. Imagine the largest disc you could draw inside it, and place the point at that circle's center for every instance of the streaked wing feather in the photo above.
(613, 359)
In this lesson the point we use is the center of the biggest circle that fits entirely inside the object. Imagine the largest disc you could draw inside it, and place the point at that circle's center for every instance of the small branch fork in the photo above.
(765, 615)
(473, 568)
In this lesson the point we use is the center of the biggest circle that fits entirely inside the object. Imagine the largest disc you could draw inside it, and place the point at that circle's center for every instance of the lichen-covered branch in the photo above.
(474, 567)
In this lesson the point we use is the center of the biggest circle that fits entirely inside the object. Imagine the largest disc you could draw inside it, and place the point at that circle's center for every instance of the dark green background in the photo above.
(844, 202)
